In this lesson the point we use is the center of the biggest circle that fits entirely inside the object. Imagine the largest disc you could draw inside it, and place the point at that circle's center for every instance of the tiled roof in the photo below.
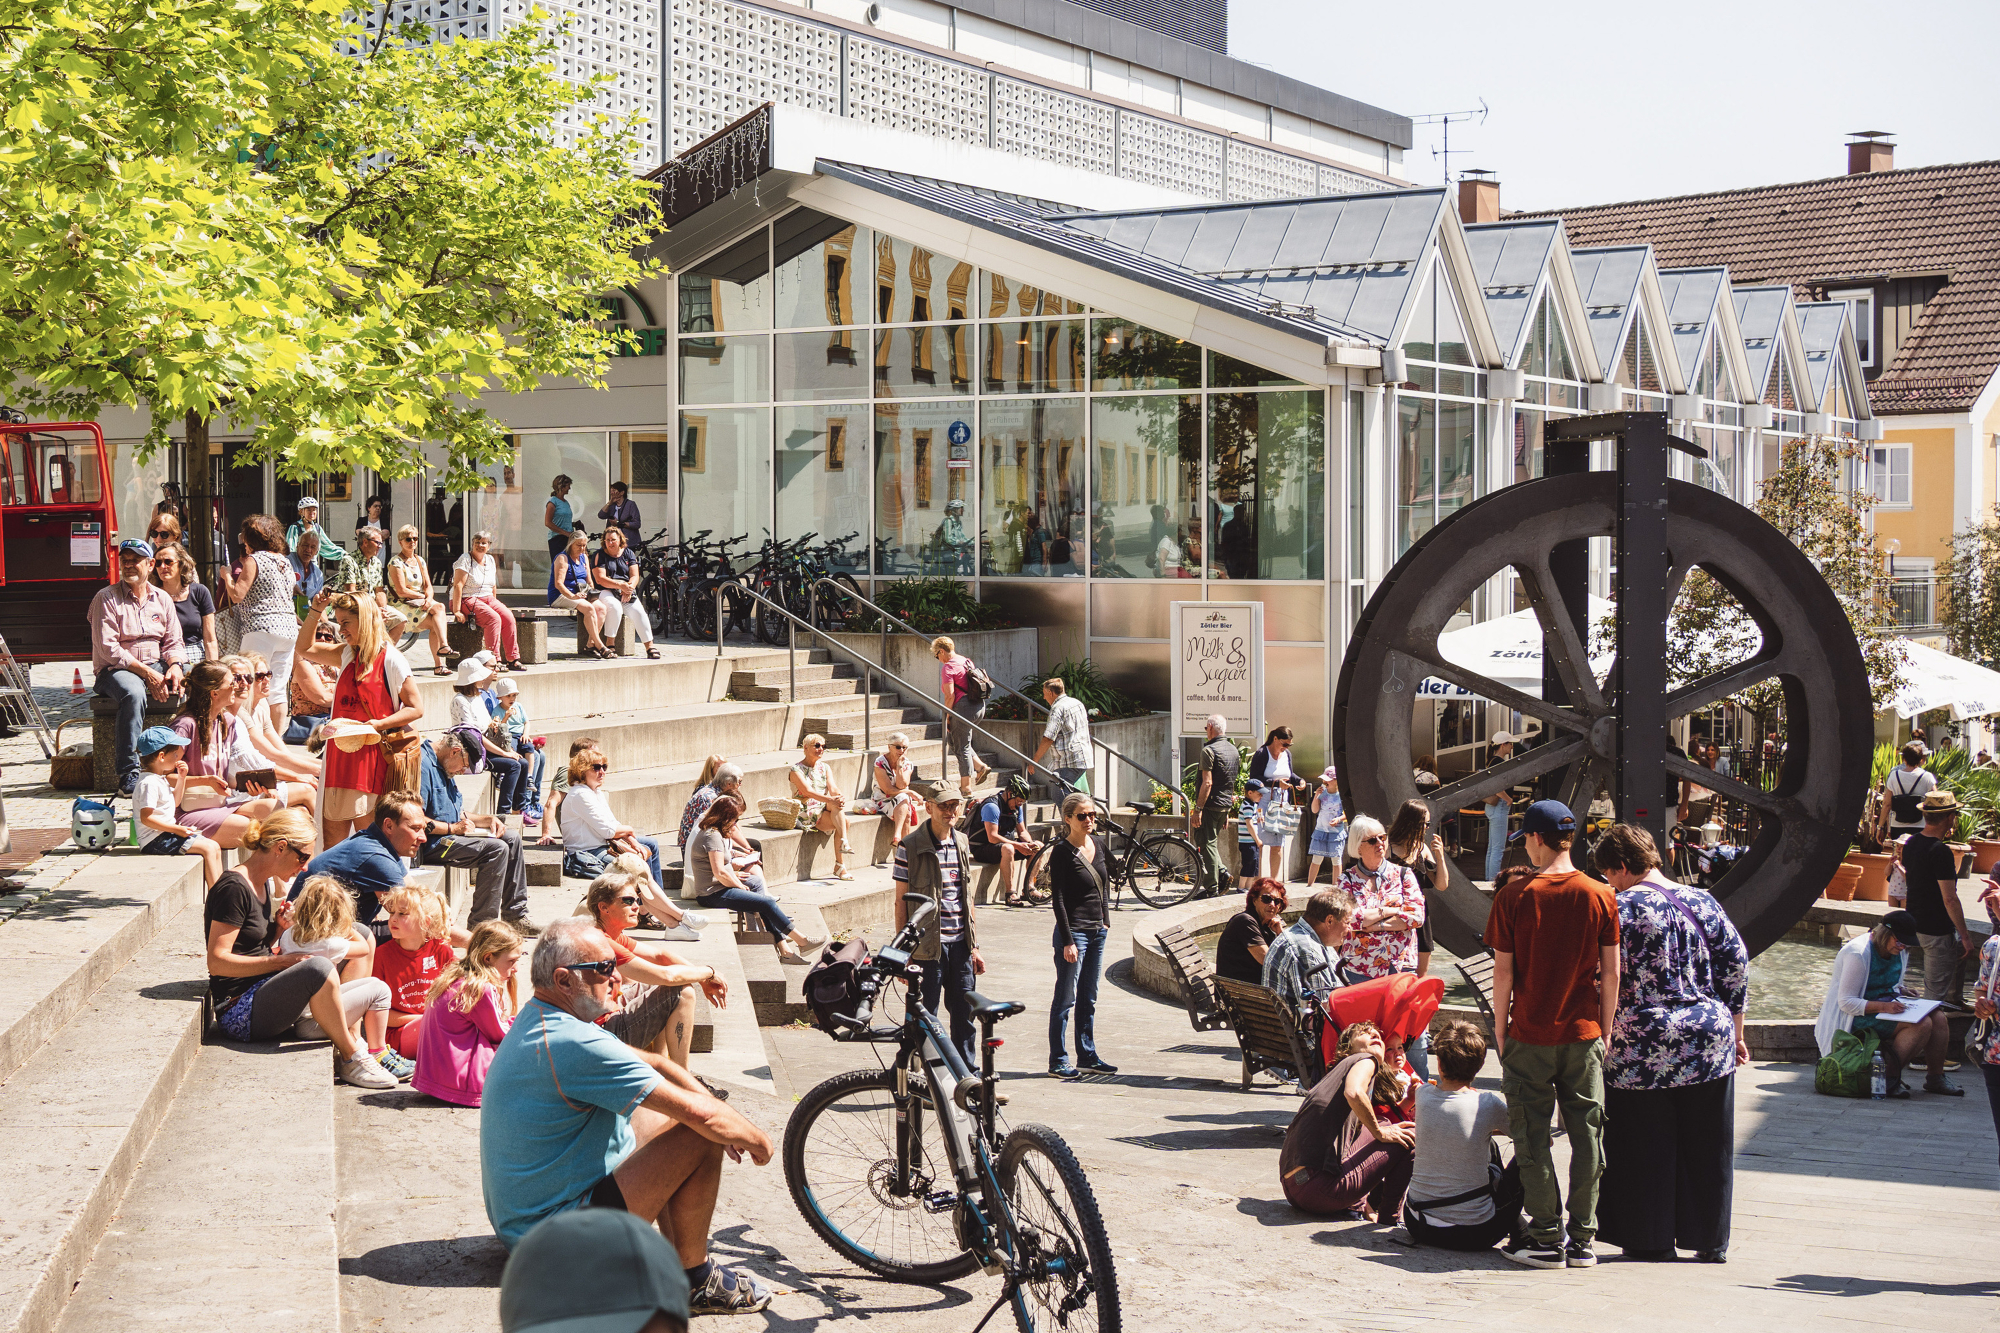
(1922, 220)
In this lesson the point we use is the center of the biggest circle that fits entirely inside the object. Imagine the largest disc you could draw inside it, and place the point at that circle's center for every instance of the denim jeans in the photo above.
(753, 898)
(531, 786)
(507, 774)
(1496, 838)
(1076, 988)
(949, 977)
(127, 689)
(591, 862)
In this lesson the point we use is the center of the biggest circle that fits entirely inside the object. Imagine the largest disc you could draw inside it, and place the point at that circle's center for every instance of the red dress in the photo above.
(367, 769)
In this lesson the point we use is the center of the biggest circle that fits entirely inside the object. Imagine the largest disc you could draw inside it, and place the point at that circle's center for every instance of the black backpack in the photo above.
(978, 685)
(833, 986)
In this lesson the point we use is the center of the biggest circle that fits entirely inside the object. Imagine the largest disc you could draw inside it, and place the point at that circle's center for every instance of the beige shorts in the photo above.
(348, 804)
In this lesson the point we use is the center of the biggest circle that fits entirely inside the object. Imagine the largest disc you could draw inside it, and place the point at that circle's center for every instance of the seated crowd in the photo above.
(296, 748)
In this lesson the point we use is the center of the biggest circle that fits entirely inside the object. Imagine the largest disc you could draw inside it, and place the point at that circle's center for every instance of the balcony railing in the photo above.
(1910, 603)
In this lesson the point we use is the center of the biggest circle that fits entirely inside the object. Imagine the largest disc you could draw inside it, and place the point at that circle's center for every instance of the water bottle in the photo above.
(1878, 1078)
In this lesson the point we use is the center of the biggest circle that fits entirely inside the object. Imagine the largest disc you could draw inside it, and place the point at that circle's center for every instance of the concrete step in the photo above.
(89, 1101)
(782, 675)
(685, 673)
(864, 906)
(671, 734)
(846, 733)
(278, 1241)
(785, 692)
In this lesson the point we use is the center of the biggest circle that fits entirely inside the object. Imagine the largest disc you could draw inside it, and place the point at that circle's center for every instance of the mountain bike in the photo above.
(1161, 867)
(904, 1170)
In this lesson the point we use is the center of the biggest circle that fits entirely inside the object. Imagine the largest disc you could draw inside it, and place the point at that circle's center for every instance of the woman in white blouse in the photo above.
(475, 581)
(591, 834)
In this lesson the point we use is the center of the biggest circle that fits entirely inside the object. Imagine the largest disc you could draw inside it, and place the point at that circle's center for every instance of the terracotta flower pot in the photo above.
(1841, 888)
(1874, 867)
(1985, 854)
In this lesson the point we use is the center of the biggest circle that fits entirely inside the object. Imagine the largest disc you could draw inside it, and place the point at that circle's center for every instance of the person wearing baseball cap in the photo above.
(934, 860)
(135, 647)
(1498, 806)
(593, 1270)
(1867, 981)
(1554, 937)
(309, 521)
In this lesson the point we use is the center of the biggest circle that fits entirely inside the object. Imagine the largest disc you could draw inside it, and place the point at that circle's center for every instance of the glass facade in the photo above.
(1438, 450)
(1012, 433)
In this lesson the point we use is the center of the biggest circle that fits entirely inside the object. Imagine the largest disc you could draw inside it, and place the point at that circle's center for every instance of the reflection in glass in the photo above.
(920, 363)
(1131, 356)
(1266, 485)
(1458, 452)
(1032, 520)
(1045, 356)
(822, 270)
(1005, 297)
(823, 476)
(821, 366)
(512, 510)
(914, 286)
(731, 292)
(726, 370)
(920, 501)
(725, 462)
(1142, 526)
(1226, 372)
(1416, 469)
(645, 461)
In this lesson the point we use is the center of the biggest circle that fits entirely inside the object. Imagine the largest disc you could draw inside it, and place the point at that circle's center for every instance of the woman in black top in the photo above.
(194, 605)
(259, 994)
(1239, 955)
(616, 573)
(1079, 869)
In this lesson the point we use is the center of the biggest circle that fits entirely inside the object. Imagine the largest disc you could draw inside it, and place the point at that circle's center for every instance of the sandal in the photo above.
(842, 872)
(441, 671)
(653, 653)
(517, 665)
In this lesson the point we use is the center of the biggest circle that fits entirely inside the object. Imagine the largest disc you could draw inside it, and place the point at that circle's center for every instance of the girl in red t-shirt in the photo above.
(415, 955)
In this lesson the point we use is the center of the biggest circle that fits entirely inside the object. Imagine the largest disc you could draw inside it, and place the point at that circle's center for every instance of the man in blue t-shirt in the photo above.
(997, 838)
(370, 863)
(572, 1117)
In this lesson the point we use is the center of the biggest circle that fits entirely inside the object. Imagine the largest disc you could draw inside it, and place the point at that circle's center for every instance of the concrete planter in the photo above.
(1004, 654)
(1144, 740)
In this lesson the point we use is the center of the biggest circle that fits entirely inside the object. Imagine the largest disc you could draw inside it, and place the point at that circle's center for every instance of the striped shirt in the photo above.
(951, 894)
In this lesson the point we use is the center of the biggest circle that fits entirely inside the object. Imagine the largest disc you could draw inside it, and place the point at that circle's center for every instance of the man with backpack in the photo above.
(997, 838)
(1903, 793)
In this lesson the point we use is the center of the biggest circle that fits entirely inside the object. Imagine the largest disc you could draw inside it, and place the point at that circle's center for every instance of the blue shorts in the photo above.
(166, 844)
(1248, 851)
(1328, 842)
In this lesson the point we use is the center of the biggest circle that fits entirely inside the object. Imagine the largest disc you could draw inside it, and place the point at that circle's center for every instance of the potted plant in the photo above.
(1870, 860)
(1841, 888)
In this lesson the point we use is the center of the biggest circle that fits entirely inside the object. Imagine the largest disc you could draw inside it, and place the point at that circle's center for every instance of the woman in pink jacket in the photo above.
(469, 1010)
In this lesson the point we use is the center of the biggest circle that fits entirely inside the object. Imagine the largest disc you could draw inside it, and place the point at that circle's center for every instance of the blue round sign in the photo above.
(960, 433)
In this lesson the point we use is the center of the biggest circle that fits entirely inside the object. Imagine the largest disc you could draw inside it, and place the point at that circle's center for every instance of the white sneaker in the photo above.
(681, 932)
(694, 920)
(364, 1071)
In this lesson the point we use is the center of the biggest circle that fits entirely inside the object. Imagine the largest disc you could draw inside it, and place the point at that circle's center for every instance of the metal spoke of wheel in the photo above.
(1564, 649)
(1534, 763)
(1809, 814)
(1163, 870)
(1432, 663)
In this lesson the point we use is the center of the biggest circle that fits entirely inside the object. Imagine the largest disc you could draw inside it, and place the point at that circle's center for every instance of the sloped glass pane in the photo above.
(1226, 372)
(1450, 329)
(1420, 337)
(1649, 368)
(730, 292)
(1005, 298)
(1561, 365)
(822, 270)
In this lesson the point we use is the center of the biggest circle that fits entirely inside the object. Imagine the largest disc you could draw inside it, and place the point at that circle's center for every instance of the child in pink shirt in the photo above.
(470, 1008)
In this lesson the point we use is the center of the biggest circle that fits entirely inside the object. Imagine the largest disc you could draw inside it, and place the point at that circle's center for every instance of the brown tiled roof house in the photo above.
(1926, 239)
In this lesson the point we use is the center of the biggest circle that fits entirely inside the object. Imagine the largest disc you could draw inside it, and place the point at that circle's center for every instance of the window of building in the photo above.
(1438, 423)
(1861, 314)
(1889, 475)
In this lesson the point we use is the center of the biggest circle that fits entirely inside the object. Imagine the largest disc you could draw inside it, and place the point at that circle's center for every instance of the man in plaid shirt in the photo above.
(1068, 733)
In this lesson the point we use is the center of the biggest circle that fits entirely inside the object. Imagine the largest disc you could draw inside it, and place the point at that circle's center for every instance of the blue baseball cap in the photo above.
(591, 1270)
(1547, 818)
(137, 546)
(1253, 784)
(155, 739)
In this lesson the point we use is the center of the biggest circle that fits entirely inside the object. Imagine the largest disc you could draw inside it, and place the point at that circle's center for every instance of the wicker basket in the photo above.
(779, 812)
(72, 769)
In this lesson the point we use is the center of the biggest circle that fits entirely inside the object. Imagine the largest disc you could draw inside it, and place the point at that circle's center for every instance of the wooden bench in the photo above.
(1196, 979)
(1478, 974)
(1267, 1034)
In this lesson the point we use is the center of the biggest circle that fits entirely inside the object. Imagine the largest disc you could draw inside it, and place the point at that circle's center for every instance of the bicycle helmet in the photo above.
(1018, 786)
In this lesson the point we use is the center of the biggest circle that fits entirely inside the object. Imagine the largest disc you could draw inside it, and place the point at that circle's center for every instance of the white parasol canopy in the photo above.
(1934, 679)
(1506, 650)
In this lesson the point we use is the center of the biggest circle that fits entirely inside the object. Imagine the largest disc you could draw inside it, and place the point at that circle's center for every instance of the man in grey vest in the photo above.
(935, 860)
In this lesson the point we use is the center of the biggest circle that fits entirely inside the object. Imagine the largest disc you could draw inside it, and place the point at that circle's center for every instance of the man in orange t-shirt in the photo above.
(1554, 937)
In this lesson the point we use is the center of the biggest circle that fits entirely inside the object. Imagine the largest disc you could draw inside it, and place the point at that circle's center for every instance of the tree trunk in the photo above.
(200, 493)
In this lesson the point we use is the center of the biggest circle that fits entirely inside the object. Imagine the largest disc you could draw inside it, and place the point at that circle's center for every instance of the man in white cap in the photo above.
(309, 521)
(1498, 806)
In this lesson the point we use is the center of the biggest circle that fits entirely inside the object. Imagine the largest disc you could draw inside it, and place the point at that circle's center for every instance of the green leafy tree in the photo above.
(248, 209)
(1969, 583)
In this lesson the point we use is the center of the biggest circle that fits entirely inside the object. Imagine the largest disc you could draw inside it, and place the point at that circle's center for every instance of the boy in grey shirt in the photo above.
(1455, 1201)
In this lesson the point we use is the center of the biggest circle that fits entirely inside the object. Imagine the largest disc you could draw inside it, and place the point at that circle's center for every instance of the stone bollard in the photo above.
(533, 634)
(463, 640)
(582, 640)
(627, 642)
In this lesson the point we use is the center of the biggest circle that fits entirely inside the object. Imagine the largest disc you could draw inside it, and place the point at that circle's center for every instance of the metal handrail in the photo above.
(1141, 769)
(869, 668)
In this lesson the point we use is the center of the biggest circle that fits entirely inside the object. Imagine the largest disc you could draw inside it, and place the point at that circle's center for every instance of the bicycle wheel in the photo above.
(1162, 870)
(1037, 884)
(838, 606)
(842, 1163)
(1065, 1258)
(771, 627)
(699, 611)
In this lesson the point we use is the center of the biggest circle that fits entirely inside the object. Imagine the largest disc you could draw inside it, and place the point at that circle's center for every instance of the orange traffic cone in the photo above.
(76, 684)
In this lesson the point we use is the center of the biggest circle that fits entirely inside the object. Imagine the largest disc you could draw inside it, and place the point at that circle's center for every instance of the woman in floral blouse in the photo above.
(1388, 906)
(1670, 1063)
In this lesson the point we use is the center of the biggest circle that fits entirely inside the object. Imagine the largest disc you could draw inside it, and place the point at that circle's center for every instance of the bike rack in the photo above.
(868, 668)
(888, 616)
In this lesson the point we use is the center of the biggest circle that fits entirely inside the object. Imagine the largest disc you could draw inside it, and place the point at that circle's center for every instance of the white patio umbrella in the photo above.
(1936, 679)
(1506, 650)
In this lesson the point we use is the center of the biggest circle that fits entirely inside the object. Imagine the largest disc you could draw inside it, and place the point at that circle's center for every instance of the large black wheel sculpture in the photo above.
(1808, 817)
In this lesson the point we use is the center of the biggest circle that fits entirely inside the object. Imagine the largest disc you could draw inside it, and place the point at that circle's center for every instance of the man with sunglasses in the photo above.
(572, 1118)
(932, 861)
(481, 843)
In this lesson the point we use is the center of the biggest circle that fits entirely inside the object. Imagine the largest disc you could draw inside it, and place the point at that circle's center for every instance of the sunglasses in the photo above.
(1274, 902)
(159, 534)
(244, 680)
(602, 968)
(628, 900)
(599, 768)
(1375, 842)
(899, 747)
(1087, 814)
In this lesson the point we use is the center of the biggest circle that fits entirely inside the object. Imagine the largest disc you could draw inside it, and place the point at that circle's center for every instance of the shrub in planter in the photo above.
(935, 605)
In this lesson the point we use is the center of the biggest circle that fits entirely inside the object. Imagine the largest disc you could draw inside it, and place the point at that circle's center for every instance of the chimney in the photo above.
(1869, 151)
(1478, 196)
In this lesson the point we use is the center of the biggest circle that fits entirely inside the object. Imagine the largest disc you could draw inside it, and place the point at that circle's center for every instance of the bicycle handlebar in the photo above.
(891, 960)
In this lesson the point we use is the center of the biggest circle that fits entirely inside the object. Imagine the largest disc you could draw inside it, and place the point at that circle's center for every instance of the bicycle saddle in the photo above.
(995, 1009)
